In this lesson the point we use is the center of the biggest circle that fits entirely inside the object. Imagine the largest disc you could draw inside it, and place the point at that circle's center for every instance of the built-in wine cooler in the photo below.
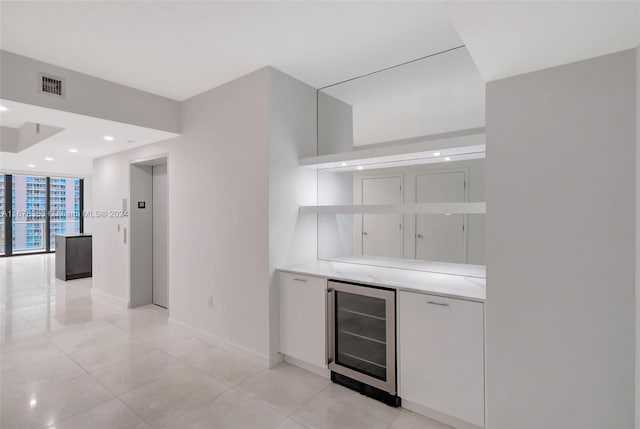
(361, 335)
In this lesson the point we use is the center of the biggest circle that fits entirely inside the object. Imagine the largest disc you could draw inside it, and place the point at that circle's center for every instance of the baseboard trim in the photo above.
(322, 372)
(101, 296)
(436, 415)
(253, 356)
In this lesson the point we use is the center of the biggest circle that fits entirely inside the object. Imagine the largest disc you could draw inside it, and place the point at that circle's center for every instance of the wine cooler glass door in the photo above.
(363, 334)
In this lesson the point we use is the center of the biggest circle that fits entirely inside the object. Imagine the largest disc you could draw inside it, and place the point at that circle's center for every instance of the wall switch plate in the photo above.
(210, 301)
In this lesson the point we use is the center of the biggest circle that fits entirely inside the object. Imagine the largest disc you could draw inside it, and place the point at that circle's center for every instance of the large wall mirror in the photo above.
(438, 94)
(420, 130)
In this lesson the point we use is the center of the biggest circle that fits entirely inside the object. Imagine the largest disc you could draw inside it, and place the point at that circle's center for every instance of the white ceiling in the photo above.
(84, 133)
(507, 38)
(179, 49)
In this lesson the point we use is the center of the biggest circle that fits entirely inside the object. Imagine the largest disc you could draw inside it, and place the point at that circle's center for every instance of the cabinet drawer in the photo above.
(303, 318)
(441, 343)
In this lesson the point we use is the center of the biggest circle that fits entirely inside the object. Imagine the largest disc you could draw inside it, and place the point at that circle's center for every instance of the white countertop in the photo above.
(462, 284)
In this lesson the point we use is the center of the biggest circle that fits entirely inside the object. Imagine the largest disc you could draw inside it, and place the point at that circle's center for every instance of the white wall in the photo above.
(88, 204)
(292, 135)
(218, 223)
(110, 184)
(85, 95)
(335, 125)
(560, 311)
(234, 191)
(335, 231)
(638, 236)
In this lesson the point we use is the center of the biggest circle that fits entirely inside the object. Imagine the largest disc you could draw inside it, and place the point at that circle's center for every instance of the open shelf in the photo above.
(449, 147)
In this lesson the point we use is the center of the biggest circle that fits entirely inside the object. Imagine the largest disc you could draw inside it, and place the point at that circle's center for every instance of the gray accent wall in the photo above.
(85, 95)
(560, 186)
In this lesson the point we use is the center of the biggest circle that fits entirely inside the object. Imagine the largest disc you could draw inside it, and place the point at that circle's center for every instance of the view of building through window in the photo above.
(64, 206)
(29, 210)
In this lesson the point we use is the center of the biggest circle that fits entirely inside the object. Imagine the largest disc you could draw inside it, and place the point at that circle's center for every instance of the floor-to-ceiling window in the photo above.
(64, 207)
(28, 213)
(36, 209)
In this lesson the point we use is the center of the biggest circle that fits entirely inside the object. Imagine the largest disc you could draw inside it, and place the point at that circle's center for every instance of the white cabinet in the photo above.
(441, 351)
(303, 318)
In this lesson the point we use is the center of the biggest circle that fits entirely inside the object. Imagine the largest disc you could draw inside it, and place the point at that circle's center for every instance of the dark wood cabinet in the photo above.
(73, 256)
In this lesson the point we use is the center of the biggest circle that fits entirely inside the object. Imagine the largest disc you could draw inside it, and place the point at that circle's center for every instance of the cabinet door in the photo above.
(442, 355)
(303, 318)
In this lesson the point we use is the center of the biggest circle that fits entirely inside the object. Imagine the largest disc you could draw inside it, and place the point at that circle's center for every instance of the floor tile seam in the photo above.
(69, 379)
(134, 411)
(261, 401)
(299, 422)
(57, 422)
(100, 368)
(258, 399)
(264, 401)
(42, 359)
(210, 400)
(299, 407)
(218, 379)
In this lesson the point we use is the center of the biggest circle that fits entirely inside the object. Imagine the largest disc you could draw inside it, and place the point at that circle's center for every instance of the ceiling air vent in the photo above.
(51, 85)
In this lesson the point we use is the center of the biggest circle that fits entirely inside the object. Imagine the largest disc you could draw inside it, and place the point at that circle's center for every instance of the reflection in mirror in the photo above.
(442, 237)
(393, 145)
(438, 94)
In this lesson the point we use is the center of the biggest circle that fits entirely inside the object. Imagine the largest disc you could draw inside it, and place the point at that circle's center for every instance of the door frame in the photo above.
(464, 171)
(158, 159)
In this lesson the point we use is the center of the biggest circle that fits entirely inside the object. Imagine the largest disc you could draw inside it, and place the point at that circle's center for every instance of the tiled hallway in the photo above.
(70, 362)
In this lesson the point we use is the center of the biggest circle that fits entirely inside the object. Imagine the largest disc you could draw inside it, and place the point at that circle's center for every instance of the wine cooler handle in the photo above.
(331, 317)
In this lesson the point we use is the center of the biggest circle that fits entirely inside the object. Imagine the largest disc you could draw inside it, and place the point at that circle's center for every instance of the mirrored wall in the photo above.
(401, 161)
(441, 93)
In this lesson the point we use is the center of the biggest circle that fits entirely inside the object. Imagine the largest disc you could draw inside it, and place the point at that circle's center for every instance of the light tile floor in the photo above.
(69, 362)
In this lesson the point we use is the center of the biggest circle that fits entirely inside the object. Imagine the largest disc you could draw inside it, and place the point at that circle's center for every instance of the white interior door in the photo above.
(160, 235)
(382, 233)
(440, 237)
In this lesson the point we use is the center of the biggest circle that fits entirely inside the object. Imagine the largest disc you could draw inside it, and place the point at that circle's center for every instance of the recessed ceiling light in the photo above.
(31, 165)
(33, 403)
(48, 158)
(436, 153)
(359, 167)
(109, 138)
(3, 109)
(73, 150)
(447, 159)
(344, 164)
